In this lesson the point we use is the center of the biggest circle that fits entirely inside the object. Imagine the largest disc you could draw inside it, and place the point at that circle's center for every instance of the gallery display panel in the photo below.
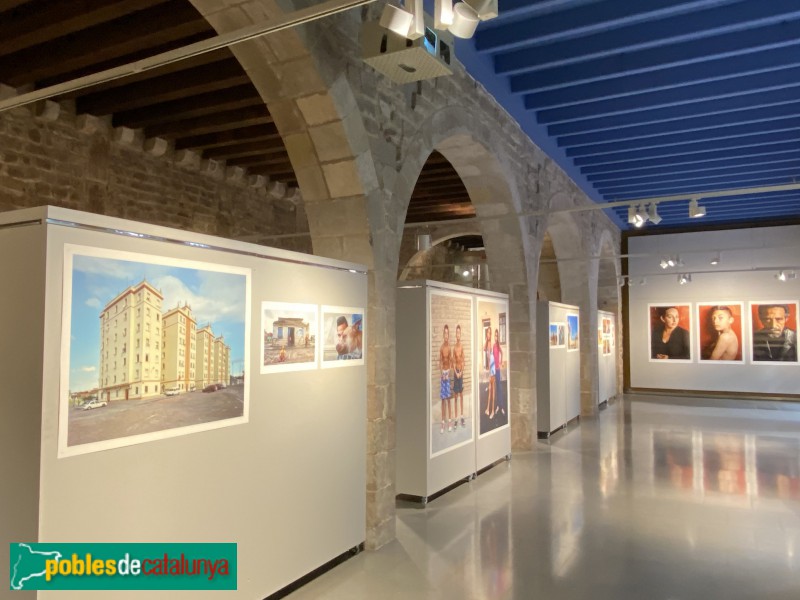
(453, 387)
(731, 328)
(558, 396)
(222, 465)
(606, 356)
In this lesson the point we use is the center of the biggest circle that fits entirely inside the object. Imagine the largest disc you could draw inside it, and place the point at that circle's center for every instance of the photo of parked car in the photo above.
(94, 404)
(172, 391)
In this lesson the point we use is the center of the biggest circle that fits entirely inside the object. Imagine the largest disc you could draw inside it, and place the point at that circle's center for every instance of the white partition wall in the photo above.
(606, 356)
(449, 426)
(737, 355)
(493, 377)
(558, 365)
(272, 462)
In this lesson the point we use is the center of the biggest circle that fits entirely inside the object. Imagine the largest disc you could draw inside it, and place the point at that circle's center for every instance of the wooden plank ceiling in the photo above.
(206, 103)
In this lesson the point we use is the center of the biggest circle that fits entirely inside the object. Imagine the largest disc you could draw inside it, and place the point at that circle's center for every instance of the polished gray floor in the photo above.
(654, 499)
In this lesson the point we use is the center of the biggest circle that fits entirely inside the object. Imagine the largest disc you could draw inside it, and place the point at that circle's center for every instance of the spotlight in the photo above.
(631, 214)
(664, 263)
(695, 210)
(652, 214)
(785, 275)
(671, 262)
(717, 259)
(684, 278)
(465, 273)
(396, 19)
(465, 21)
(640, 218)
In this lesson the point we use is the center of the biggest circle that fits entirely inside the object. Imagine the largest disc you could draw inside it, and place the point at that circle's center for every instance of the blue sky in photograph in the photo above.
(214, 297)
(572, 321)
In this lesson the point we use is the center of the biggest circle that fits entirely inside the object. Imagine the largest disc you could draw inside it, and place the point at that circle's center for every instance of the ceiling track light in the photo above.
(652, 213)
(717, 258)
(460, 19)
(664, 263)
(684, 278)
(640, 216)
(784, 276)
(695, 210)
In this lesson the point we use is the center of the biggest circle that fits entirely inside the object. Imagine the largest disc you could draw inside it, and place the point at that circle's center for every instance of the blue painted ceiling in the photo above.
(644, 99)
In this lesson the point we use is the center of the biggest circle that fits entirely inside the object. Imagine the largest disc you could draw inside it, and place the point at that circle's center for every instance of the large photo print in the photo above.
(493, 355)
(774, 332)
(670, 327)
(450, 343)
(152, 347)
(721, 331)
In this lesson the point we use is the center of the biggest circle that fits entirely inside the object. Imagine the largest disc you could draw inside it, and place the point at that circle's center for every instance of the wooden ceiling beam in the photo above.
(64, 76)
(230, 119)
(447, 199)
(428, 189)
(40, 21)
(163, 88)
(230, 137)
(240, 96)
(119, 38)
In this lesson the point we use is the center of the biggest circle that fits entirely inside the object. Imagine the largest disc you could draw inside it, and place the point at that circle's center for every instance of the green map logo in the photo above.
(122, 566)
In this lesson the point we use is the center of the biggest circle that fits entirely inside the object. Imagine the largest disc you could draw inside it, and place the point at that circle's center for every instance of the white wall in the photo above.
(750, 260)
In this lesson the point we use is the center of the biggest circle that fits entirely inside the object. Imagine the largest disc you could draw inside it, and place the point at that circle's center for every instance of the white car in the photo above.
(173, 391)
(94, 404)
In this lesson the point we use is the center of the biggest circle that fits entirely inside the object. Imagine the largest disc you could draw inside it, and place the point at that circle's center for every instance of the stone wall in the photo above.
(81, 162)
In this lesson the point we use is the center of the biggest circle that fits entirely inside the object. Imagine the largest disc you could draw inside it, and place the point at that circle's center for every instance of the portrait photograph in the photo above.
(773, 332)
(288, 337)
(450, 342)
(343, 336)
(573, 333)
(152, 347)
(721, 332)
(493, 365)
(670, 327)
(562, 335)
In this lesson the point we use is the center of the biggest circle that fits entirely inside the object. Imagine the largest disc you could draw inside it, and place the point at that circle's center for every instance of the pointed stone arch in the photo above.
(477, 153)
(316, 114)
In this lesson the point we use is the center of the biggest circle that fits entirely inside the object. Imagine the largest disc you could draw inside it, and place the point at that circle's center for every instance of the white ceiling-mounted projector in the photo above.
(406, 60)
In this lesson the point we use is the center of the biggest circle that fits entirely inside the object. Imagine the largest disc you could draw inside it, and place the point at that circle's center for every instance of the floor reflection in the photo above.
(728, 463)
(655, 498)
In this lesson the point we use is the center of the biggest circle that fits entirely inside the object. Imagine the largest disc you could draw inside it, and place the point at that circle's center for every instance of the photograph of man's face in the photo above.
(774, 332)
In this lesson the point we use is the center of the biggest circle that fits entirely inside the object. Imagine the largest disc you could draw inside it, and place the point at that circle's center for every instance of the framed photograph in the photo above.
(606, 347)
(343, 335)
(493, 359)
(670, 329)
(720, 332)
(573, 333)
(606, 326)
(562, 335)
(600, 337)
(556, 338)
(288, 337)
(152, 347)
(450, 343)
(773, 332)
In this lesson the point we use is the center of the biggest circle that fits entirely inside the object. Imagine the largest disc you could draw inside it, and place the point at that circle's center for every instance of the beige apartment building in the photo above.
(179, 348)
(143, 351)
(130, 339)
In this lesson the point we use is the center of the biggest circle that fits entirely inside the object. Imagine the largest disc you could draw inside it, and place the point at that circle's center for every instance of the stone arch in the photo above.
(477, 153)
(315, 111)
